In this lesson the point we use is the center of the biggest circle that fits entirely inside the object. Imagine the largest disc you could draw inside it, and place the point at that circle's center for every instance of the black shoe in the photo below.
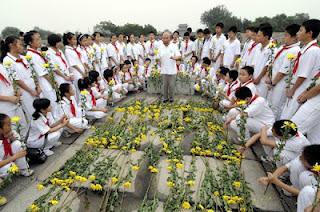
(165, 101)
(171, 100)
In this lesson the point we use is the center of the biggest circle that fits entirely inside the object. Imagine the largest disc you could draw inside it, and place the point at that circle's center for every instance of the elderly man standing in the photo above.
(168, 55)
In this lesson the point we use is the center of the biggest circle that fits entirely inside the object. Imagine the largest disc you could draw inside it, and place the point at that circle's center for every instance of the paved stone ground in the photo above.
(23, 191)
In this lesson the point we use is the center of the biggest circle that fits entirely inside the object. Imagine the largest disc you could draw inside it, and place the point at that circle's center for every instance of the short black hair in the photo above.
(127, 62)
(206, 60)
(278, 127)
(199, 31)
(220, 24)
(189, 29)
(292, 29)
(223, 70)
(233, 74)
(186, 34)
(243, 92)
(53, 39)
(206, 31)
(312, 25)
(176, 32)
(147, 59)
(233, 29)
(93, 76)
(266, 30)
(107, 73)
(311, 154)
(152, 32)
(249, 69)
(253, 29)
(84, 83)
(2, 118)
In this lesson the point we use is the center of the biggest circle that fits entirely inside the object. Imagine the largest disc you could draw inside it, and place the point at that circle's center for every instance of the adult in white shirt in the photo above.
(231, 49)
(168, 55)
(114, 52)
(151, 47)
(132, 49)
(186, 48)
(206, 44)
(216, 46)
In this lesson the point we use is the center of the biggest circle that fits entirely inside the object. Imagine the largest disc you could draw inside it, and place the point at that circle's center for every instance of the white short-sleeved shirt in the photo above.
(259, 110)
(133, 51)
(74, 60)
(251, 53)
(22, 70)
(281, 62)
(59, 59)
(231, 88)
(39, 128)
(122, 49)
(206, 47)
(38, 61)
(168, 66)
(84, 54)
(230, 50)
(6, 89)
(309, 64)
(114, 51)
(186, 48)
(251, 86)
(260, 59)
(65, 108)
(217, 44)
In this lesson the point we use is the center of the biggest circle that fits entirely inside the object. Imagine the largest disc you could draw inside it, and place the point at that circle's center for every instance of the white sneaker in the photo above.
(26, 172)
(57, 144)
(48, 152)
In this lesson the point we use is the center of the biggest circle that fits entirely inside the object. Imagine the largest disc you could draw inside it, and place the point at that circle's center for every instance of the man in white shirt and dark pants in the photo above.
(168, 55)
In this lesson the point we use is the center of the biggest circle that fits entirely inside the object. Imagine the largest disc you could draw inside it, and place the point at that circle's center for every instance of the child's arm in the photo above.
(59, 124)
(253, 140)
(14, 157)
(12, 99)
(265, 140)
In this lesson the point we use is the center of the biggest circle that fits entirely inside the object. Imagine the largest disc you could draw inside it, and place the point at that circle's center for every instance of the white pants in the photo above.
(277, 98)
(306, 198)
(21, 162)
(101, 103)
(252, 126)
(224, 103)
(292, 105)
(23, 123)
(307, 119)
(80, 123)
(95, 114)
(295, 170)
(48, 142)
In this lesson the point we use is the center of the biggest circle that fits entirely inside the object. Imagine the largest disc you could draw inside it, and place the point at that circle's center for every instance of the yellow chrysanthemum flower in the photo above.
(179, 165)
(15, 119)
(197, 87)
(236, 184)
(40, 187)
(34, 208)
(186, 205)
(170, 184)
(127, 184)
(316, 168)
(13, 169)
(84, 92)
(114, 180)
(53, 202)
(291, 56)
(92, 177)
(135, 168)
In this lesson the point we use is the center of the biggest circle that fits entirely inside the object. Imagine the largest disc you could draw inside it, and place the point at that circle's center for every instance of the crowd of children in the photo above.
(56, 90)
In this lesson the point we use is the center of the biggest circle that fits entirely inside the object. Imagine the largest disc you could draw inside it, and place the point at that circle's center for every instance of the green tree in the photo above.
(43, 33)
(10, 31)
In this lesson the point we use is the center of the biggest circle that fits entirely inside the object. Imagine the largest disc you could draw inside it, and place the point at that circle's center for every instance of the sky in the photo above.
(81, 15)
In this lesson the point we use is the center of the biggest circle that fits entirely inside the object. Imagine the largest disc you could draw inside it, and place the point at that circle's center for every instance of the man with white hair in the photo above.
(168, 55)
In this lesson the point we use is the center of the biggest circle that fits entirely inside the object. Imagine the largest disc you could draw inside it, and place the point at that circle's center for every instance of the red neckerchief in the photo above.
(246, 83)
(20, 60)
(296, 62)
(7, 147)
(193, 67)
(38, 53)
(231, 85)
(252, 47)
(253, 99)
(98, 86)
(186, 47)
(73, 108)
(115, 46)
(146, 70)
(78, 53)
(151, 44)
(178, 68)
(61, 58)
(3, 79)
(279, 52)
(93, 99)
